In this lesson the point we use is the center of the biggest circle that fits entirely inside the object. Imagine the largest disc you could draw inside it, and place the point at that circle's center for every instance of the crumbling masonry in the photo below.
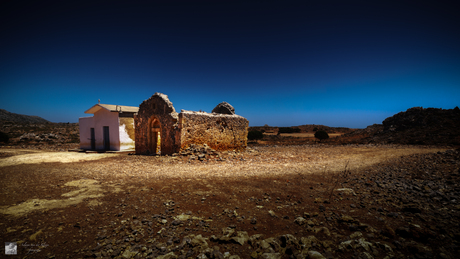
(160, 129)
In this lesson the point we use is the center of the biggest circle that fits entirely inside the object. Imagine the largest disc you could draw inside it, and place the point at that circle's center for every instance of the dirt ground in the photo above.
(303, 135)
(77, 205)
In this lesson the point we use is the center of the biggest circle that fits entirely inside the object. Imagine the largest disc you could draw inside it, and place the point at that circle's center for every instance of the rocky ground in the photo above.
(42, 136)
(420, 126)
(355, 201)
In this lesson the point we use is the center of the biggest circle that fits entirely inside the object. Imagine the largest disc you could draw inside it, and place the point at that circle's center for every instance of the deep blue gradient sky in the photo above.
(281, 63)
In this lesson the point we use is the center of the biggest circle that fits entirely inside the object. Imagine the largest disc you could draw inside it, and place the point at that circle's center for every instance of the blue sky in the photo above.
(281, 63)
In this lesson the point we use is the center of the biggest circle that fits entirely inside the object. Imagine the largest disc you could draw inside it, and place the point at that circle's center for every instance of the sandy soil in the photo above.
(264, 161)
(19, 156)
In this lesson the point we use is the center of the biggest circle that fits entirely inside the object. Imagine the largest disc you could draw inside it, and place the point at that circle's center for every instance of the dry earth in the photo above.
(310, 201)
(304, 135)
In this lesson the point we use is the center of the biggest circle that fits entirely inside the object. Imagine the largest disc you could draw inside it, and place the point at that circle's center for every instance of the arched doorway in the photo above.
(155, 136)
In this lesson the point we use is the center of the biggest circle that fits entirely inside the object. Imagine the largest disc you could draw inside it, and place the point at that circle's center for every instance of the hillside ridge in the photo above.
(417, 125)
(20, 118)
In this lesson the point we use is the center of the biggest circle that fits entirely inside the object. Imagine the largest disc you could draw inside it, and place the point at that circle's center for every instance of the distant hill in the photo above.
(304, 129)
(425, 126)
(314, 128)
(19, 118)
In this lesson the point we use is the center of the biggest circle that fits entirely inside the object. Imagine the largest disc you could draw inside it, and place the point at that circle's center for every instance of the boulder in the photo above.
(315, 255)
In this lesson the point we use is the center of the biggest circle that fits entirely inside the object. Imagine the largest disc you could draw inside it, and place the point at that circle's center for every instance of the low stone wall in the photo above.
(219, 131)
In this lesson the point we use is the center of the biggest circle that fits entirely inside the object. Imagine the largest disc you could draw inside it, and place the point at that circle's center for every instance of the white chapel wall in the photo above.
(106, 118)
(85, 124)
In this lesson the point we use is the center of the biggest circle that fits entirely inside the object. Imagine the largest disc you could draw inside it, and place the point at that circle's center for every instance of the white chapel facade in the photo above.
(111, 128)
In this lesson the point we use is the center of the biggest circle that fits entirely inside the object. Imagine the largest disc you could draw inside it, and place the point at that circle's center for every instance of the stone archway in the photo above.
(154, 136)
(157, 128)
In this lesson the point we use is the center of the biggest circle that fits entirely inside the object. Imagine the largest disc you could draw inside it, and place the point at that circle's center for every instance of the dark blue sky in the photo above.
(281, 63)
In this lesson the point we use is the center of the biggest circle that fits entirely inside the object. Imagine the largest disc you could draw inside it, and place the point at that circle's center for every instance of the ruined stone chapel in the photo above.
(156, 128)
(160, 129)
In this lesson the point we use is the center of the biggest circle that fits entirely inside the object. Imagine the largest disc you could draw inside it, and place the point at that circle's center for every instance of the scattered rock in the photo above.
(271, 256)
(300, 220)
(315, 255)
(346, 191)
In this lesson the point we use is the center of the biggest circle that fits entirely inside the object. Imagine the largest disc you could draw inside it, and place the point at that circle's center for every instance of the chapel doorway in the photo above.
(155, 136)
(106, 137)
(93, 139)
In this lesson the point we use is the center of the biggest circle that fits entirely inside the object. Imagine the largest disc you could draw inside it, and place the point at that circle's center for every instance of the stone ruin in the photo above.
(159, 129)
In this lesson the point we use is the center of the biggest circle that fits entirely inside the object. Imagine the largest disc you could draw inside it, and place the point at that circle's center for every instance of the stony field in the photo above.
(310, 201)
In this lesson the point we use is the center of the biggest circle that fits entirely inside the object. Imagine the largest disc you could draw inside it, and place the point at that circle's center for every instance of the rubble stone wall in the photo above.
(158, 107)
(219, 131)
